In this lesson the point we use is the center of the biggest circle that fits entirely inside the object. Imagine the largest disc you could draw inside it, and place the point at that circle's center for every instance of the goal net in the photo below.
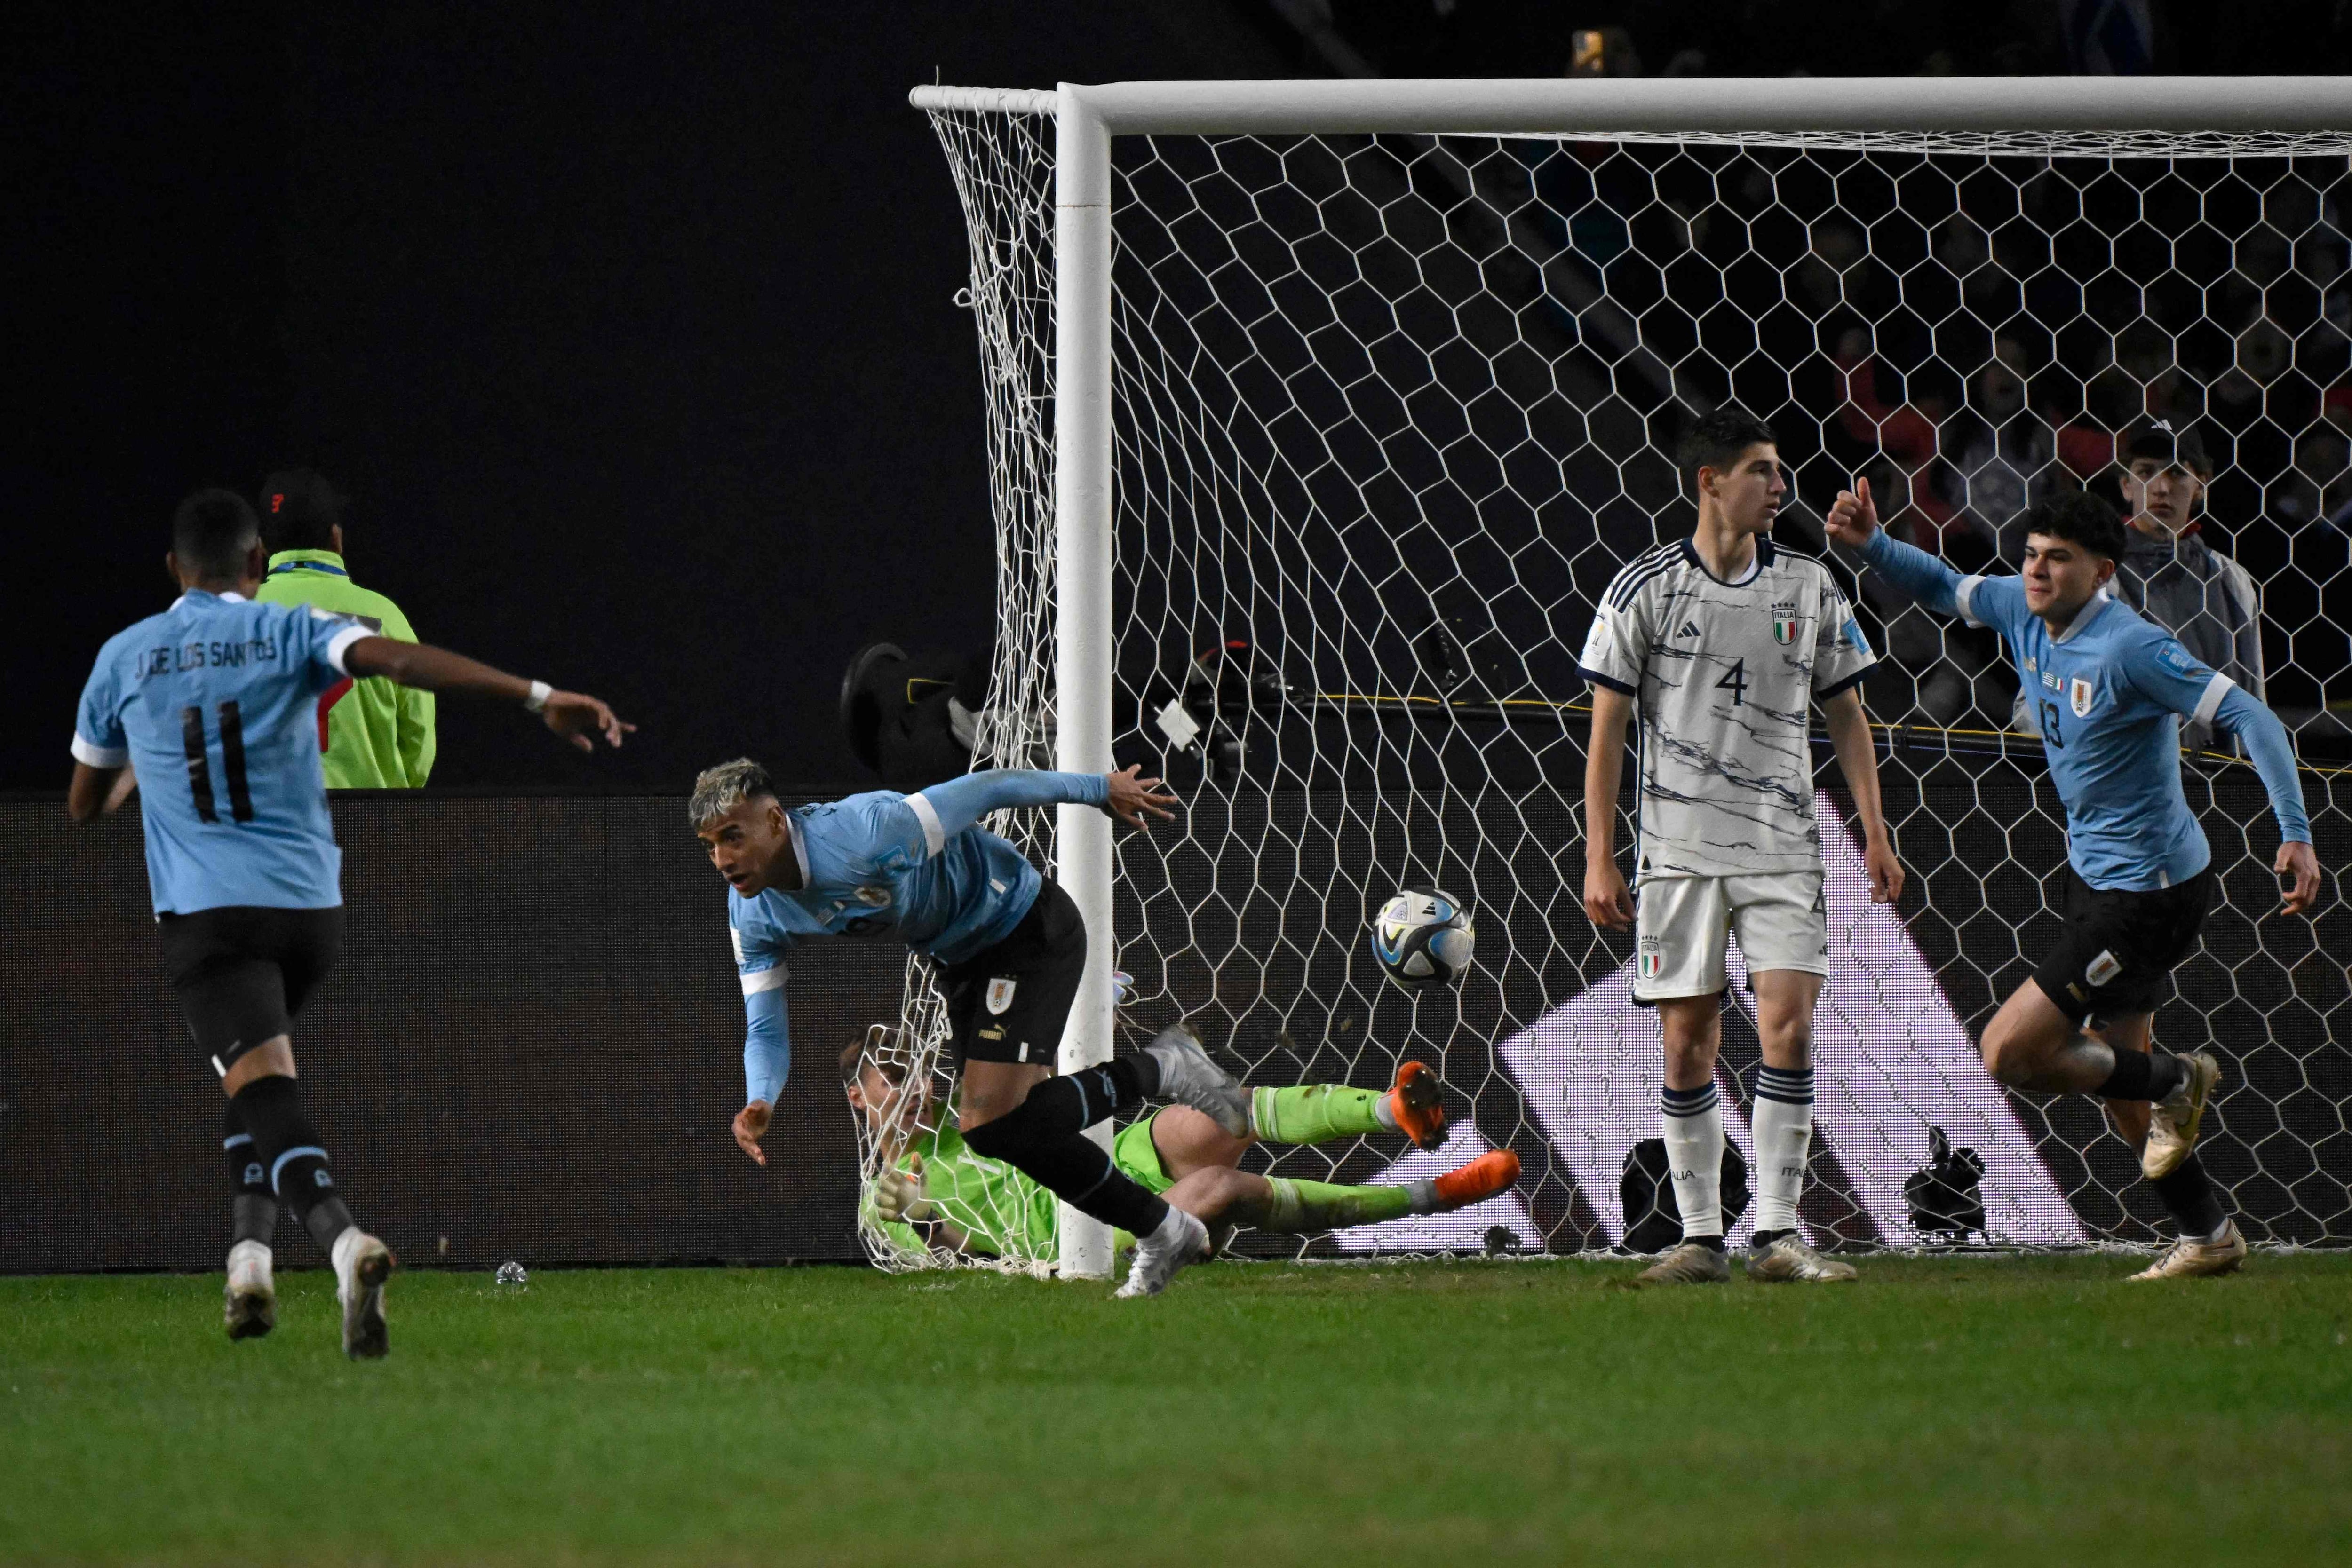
(1389, 412)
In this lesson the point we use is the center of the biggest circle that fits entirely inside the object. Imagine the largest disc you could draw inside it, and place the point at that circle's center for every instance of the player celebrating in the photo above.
(214, 704)
(1726, 639)
(930, 1181)
(1010, 944)
(2112, 691)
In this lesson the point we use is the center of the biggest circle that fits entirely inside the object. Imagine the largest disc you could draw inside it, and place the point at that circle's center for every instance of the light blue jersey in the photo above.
(2111, 690)
(885, 864)
(214, 704)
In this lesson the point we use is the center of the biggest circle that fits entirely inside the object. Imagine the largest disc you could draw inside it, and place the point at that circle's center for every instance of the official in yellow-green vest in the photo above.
(372, 734)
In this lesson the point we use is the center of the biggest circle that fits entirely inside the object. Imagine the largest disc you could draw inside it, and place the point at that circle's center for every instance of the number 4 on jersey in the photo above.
(1734, 681)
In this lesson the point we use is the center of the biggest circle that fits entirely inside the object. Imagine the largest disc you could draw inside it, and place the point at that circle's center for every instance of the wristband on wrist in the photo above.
(539, 692)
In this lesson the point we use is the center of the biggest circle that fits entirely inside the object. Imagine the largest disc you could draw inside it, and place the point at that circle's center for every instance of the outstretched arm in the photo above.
(1857, 756)
(767, 1062)
(432, 669)
(2266, 742)
(1854, 521)
(961, 802)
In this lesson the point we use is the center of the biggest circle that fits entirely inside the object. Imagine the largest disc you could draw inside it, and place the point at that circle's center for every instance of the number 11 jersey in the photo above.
(214, 704)
(1723, 675)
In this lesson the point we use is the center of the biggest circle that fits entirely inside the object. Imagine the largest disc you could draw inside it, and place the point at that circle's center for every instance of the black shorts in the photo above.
(243, 972)
(2118, 946)
(1008, 1003)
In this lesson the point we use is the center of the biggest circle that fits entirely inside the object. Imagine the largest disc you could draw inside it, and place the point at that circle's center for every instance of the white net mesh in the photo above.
(1391, 411)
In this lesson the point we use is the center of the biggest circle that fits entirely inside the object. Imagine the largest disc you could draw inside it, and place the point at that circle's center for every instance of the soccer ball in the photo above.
(1423, 938)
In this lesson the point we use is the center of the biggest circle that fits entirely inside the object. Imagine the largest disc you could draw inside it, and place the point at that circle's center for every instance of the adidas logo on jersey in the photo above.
(1690, 629)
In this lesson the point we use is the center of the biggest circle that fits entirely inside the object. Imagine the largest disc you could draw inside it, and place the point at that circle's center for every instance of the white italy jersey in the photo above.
(1725, 675)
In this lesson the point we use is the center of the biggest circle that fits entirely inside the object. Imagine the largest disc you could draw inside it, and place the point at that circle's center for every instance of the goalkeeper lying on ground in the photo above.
(934, 1191)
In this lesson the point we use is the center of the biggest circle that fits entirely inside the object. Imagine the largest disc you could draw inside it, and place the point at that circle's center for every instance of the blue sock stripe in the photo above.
(1109, 1170)
(240, 1138)
(1689, 1101)
(295, 1153)
(1787, 1085)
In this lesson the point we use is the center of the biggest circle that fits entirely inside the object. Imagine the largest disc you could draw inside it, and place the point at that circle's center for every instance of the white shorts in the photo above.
(1680, 923)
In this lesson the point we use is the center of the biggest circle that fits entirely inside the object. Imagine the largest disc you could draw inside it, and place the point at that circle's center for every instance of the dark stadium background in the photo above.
(628, 327)
(630, 334)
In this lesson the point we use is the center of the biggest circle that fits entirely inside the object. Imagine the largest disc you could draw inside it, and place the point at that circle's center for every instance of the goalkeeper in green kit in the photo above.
(934, 1191)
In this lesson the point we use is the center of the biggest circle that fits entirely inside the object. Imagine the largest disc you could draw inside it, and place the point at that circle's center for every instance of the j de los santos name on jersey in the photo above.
(179, 659)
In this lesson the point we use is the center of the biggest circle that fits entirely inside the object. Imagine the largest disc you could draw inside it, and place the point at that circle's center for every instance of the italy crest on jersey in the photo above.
(1784, 623)
(2079, 694)
(1653, 960)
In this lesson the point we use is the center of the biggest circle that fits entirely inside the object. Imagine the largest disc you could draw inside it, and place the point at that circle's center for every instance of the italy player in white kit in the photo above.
(1726, 642)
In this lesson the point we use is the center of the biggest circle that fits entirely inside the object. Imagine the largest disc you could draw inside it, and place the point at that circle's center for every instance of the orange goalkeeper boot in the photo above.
(1481, 1179)
(1418, 1104)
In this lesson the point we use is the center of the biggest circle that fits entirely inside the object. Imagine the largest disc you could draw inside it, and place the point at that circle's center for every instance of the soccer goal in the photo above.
(1319, 413)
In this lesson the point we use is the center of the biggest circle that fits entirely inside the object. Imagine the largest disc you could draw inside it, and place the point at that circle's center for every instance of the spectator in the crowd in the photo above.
(1908, 435)
(373, 734)
(2170, 574)
(2005, 453)
(2315, 486)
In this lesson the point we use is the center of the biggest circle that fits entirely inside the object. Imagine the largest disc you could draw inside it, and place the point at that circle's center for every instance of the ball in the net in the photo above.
(1423, 937)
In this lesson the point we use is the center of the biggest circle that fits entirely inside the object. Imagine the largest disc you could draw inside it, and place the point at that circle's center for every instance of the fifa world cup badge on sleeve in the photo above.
(1596, 642)
(1000, 995)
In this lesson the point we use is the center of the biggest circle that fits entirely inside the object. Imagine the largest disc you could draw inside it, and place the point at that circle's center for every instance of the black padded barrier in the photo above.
(530, 1048)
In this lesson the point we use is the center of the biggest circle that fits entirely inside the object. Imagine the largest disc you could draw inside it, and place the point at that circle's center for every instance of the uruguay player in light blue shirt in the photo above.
(212, 704)
(1009, 944)
(2111, 690)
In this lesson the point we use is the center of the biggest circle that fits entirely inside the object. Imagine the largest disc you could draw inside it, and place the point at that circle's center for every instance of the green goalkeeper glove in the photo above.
(899, 1196)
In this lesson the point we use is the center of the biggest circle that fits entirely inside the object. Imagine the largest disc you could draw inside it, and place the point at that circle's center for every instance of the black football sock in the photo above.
(1076, 1101)
(2134, 1074)
(2142, 1075)
(288, 1147)
(2188, 1196)
(255, 1209)
(1073, 1168)
(1766, 1237)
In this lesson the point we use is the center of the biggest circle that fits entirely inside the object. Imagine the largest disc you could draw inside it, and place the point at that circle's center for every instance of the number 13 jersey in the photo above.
(1723, 675)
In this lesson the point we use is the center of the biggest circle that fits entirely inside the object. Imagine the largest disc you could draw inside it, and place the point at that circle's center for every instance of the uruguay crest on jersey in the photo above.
(2080, 694)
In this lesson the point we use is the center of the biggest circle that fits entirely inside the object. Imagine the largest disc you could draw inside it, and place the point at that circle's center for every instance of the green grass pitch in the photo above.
(1944, 1411)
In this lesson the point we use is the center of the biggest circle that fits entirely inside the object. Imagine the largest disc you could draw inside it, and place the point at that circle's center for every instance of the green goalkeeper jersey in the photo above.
(373, 734)
(1002, 1212)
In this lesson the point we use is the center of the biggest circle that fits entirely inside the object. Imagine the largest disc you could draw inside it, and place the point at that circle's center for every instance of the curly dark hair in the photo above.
(2080, 518)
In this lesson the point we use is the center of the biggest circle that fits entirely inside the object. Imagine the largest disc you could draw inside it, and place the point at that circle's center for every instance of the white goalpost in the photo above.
(1320, 411)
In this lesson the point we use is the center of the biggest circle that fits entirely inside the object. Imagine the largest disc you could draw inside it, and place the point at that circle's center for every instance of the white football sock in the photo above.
(1783, 1116)
(1170, 1231)
(1692, 1121)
